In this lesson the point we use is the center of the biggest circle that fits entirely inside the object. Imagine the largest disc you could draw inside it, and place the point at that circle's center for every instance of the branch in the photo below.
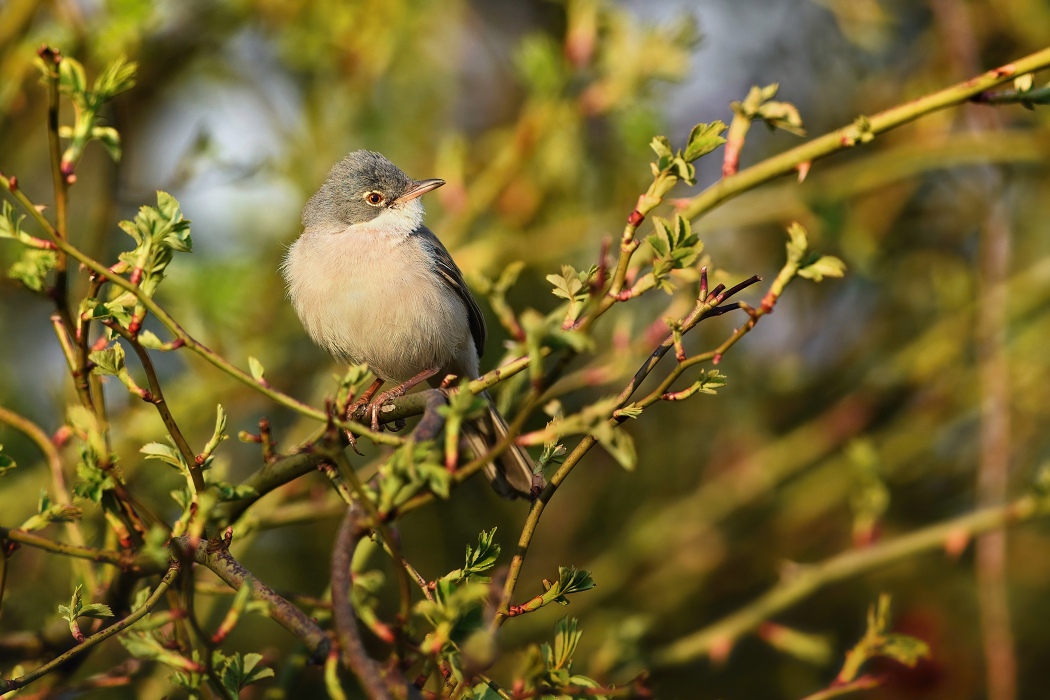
(270, 476)
(836, 690)
(706, 307)
(353, 655)
(811, 578)
(52, 59)
(361, 498)
(858, 132)
(126, 560)
(157, 399)
(215, 555)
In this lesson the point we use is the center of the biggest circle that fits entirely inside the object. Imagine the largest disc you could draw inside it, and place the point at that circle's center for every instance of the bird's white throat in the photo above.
(395, 222)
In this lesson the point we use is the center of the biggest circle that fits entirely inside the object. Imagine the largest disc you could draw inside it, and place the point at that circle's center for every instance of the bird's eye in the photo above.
(374, 198)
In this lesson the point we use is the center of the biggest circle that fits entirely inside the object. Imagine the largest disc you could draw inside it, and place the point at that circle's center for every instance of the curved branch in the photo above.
(353, 654)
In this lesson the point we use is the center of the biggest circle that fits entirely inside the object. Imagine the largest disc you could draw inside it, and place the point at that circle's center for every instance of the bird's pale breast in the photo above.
(375, 298)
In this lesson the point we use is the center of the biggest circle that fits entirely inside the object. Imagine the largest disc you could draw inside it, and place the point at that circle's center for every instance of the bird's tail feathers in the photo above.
(511, 472)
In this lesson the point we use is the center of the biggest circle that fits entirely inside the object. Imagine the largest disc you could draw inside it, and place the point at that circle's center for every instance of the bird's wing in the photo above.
(446, 267)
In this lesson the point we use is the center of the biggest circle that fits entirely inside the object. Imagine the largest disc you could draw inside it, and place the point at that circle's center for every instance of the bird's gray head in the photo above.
(364, 186)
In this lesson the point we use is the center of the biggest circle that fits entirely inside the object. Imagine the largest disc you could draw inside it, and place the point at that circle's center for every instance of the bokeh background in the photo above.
(863, 408)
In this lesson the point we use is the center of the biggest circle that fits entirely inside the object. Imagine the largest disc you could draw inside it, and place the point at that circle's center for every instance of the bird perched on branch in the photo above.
(373, 285)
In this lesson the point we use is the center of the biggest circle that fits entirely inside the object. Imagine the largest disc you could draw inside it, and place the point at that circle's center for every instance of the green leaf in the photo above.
(675, 247)
(49, 512)
(620, 446)
(159, 232)
(777, 115)
(236, 672)
(573, 580)
(483, 557)
(709, 382)
(572, 285)
(164, 453)
(413, 467)
(33, 267)
(69, 613)
(455, 612)
(662, 148)
(256, 369)
(570, 580)
(482, 691)
(96, 610)
(176, 230)
(904, 648)
(218, 434)
(351, 383)
(568, 284)
(109, 360)
(797, 242)
(114, 79)
(593, 419)
(826, 266)
(478, 560)
(782, 115)
(703, 139)
(10, 221)
(878, 642)
(77, 608)
(553, 453)
(566, 638)
(71, 78)
(94, 481)
(110, 140)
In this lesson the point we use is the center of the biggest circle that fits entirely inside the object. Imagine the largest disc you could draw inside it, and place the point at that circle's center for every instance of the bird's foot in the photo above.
(382, 401)
(379, 403)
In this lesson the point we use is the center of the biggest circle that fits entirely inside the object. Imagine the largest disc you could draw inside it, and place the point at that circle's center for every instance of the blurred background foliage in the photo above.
(851, 414)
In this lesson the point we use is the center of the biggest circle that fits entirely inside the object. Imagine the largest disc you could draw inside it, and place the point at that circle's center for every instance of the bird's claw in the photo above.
(352, 439)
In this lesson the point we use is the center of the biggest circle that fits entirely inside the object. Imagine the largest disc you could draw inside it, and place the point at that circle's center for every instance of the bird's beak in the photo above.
(417, 189)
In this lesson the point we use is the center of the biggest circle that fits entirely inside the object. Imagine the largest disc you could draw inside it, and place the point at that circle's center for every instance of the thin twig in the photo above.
(856, 133)
(125, 559)
(865, 682)
(157, 399)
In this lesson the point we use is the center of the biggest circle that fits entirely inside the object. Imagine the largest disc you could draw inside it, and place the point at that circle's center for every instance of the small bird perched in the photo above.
(373, 285)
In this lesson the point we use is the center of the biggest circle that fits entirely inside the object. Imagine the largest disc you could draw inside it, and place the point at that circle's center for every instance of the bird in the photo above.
(373, 285)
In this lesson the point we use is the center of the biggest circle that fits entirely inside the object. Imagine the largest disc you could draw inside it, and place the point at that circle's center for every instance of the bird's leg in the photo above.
(353, 408)
(364, 399)
(398, 391)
